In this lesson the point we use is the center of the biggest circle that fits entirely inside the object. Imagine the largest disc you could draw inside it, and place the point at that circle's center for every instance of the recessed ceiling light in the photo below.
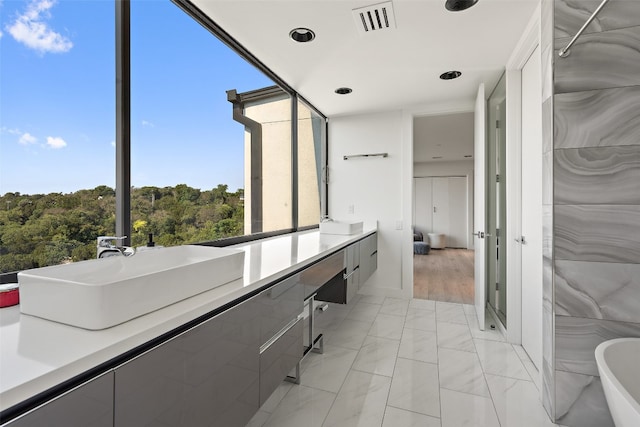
(302, 35)
(343, 90)
(450, 75)
(459, 5)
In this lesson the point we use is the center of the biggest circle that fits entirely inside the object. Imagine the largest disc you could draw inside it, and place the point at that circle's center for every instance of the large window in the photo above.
(57, 158)
(208, 148)
(311, 159)
(191, 163)
(266, 114)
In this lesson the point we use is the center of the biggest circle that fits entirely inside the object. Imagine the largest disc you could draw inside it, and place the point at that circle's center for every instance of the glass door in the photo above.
(496, 204)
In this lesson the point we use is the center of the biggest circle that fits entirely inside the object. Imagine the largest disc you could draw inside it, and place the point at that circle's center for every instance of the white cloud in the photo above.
(148, 124)
(32, 30)
(56, 142)
(26, 139)
(13, 131)
(113, 143)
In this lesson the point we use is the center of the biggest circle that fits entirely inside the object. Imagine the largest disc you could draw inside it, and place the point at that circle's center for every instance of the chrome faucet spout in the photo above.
(108, 246)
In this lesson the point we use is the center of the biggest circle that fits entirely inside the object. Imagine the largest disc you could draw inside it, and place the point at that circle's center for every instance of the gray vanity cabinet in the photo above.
(206, 376)
(368, 257)
(352, 270)
(281, 327)
(279, 305)
(280, 357)
(319, 274)
(89, 405)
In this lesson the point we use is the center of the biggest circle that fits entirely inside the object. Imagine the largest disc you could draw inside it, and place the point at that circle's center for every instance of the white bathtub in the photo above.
(618, 362)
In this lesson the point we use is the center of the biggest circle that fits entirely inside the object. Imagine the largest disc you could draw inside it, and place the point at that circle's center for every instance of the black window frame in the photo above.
(123, 127)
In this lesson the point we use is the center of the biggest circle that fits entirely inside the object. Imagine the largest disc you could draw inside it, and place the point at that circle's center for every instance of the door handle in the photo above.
(520, 240)
(478, 234)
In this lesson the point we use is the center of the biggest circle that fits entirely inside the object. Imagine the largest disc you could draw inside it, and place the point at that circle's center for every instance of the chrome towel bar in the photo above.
(365, 155)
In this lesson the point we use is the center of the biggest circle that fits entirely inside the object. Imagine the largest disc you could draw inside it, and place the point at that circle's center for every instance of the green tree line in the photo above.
(48, 229)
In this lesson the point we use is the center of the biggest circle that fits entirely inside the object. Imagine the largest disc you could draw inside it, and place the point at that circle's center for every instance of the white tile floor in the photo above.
(397, 363)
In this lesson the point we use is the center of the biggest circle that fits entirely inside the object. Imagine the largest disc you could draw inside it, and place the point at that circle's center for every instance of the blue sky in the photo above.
(57, 98)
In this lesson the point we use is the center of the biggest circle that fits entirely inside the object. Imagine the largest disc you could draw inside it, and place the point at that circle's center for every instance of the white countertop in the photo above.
(37, 354)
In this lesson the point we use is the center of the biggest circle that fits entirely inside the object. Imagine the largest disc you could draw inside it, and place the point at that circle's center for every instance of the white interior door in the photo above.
(479, 204)
(532, 209)
(441, 205)
(458, 230)
(422, 205)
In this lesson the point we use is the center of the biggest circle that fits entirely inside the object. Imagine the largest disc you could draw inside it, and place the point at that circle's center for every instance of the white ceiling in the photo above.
(447, 136)
(387, 70)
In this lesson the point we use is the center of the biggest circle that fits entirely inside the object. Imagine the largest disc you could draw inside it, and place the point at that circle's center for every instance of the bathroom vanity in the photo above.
(211, 359)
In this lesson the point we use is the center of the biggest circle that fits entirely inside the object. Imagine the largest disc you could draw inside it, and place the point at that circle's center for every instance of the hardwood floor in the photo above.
(444, 275)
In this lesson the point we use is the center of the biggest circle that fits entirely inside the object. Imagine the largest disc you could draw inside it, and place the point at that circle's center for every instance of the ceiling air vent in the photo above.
(370, 19)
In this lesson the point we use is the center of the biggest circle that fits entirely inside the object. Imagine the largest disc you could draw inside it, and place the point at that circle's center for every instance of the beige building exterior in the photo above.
(269, 110)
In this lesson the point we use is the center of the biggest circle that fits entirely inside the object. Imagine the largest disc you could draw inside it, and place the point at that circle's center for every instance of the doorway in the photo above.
(443, 260)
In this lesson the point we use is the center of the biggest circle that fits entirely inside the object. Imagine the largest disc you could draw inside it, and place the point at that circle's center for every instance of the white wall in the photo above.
(449, 136)
(457, 168)
(380, 189)
(373, 186)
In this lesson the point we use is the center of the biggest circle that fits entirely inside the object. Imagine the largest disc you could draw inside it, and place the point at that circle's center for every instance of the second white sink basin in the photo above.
(101, 293)
(341, 227)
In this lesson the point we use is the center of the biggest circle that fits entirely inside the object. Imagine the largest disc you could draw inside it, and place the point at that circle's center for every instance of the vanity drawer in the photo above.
(279, 305)
(280, 357)
(322, 272)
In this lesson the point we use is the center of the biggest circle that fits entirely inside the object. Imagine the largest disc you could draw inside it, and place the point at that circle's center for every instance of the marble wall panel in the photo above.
(547, 125)
(547, 50)
(594, 239)
(548, 335)
(599, 61)
(580, 401)
(570, 16)
(546, 24)
(548, 185)
(548, 383)
(547, 231)
(547, 58)
(577, 339)
(606, 175)
(547, 283)
(601, 233)
(597, 118)
(548, 389)
(609, 291)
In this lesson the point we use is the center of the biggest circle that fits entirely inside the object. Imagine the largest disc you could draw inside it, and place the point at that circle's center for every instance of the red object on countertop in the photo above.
(9, 295)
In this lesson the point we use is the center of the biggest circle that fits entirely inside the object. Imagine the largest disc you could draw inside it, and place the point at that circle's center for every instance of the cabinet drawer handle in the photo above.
(279, 335)
(346, 276)
(374, 253)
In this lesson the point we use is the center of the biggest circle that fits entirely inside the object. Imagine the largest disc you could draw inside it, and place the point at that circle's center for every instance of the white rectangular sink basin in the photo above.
(341, 227)
(100, 293)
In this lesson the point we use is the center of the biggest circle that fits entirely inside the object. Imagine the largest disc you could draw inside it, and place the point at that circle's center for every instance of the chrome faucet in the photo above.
(108, 246)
